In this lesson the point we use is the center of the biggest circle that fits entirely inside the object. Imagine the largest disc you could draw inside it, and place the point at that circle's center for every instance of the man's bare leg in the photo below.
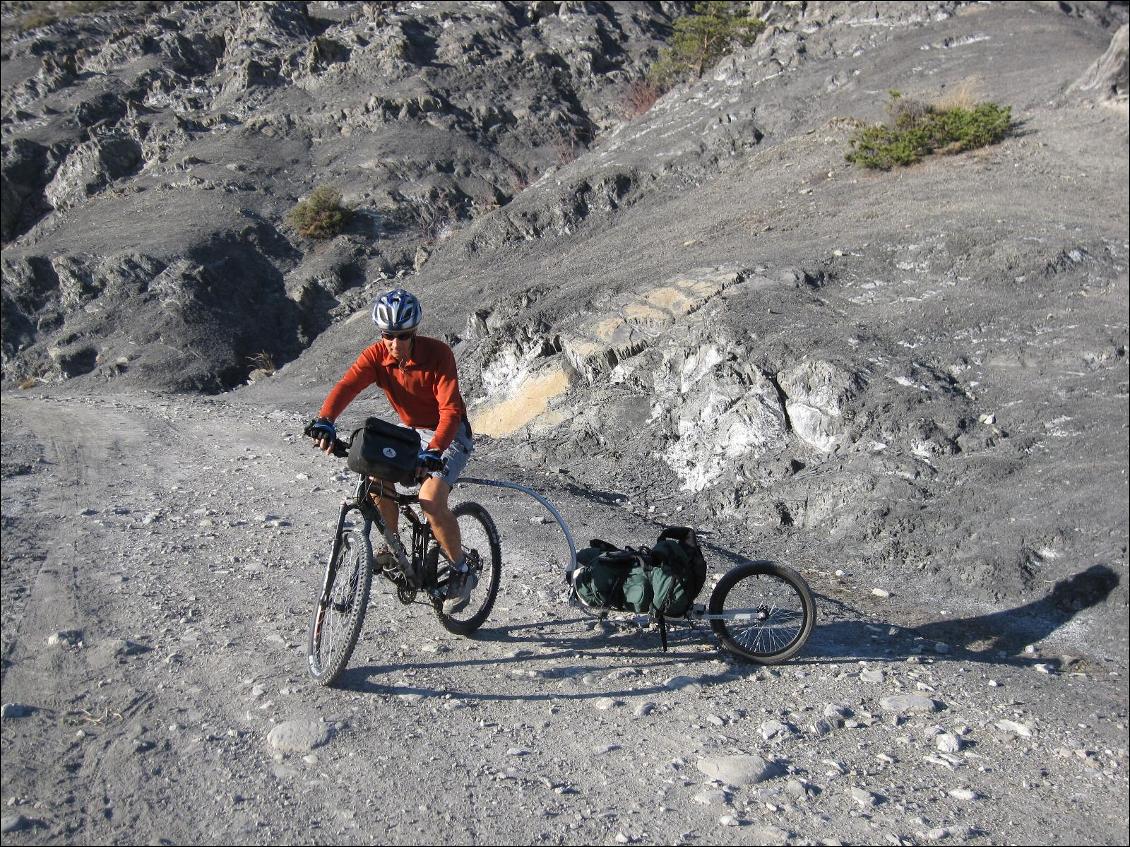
(433, 500)
(390, 512)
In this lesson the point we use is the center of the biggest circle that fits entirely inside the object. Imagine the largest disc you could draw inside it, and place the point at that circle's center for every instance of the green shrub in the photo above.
(700, 39)
(915, 130)
(320, 215)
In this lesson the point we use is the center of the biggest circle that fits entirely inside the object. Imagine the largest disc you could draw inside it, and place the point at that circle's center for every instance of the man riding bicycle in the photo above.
(419, 378)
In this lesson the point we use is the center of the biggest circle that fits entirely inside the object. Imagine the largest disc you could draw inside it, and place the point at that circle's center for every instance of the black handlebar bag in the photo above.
(385, 451)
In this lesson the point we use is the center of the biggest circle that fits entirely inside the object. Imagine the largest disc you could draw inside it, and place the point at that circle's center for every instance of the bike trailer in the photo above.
(385, 451)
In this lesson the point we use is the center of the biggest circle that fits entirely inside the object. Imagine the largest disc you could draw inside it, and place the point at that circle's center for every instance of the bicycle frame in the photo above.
(411, 567)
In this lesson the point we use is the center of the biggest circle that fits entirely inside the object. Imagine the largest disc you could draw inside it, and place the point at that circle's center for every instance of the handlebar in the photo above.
(341, 450)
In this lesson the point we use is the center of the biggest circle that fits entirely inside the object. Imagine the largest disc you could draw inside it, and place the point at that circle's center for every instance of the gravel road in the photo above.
(159, 563)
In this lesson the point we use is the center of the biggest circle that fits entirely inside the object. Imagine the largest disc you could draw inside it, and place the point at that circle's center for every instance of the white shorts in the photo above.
(457, 454)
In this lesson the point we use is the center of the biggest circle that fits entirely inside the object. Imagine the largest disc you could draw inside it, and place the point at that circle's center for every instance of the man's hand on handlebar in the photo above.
(324, 433)
(431, 460)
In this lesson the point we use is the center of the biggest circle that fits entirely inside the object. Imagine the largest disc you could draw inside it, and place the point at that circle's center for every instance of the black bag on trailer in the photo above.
(677, 573)
(385, 451)
(663, 580)
(609, 578)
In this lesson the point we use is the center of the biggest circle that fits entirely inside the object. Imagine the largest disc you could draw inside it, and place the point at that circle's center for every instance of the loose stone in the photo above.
(1015, 728)
(299, 736)
(710, 796)
(902, 703)
(64, 638)
(773, 729)
(682, 683)
(948, 742)
(821, 727)
(738, 770)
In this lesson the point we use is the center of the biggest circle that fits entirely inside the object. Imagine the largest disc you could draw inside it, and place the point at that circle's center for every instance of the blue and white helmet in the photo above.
(397, 312)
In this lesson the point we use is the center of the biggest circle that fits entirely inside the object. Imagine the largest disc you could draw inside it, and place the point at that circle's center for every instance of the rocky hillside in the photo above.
(912, 368)
(152, 151)
(903, 373)
(911, 385)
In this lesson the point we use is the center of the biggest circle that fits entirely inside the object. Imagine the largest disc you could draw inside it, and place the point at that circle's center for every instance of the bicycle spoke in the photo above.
(336, 622)
(483, 559)
(763, 611)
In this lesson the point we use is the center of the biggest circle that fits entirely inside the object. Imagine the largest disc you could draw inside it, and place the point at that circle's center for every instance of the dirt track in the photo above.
(176, 544)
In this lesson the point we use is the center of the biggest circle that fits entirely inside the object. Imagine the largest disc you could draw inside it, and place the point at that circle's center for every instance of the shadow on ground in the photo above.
(995, 638)
(580, 645)
(602, 649)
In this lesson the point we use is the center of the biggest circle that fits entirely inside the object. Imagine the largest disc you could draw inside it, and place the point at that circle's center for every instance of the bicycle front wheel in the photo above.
(337, 618)
(484, 558)
(762, 612)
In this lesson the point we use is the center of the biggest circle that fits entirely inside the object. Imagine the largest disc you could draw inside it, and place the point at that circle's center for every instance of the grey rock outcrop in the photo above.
(817, 395)
(1108, 79)
(195, 123)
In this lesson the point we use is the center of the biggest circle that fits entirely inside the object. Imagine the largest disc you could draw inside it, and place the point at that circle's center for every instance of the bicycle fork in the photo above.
(331, 565)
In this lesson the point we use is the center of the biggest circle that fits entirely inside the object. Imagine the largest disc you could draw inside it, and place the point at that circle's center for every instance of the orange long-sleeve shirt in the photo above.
(423, 388)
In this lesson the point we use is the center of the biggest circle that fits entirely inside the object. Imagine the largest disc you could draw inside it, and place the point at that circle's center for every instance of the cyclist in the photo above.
(419, 378)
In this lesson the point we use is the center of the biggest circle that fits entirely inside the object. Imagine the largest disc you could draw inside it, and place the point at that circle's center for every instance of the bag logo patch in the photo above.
(389, 453)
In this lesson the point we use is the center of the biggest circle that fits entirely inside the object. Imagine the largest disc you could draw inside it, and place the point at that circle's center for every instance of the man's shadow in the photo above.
(1010, 630)
(997, 637)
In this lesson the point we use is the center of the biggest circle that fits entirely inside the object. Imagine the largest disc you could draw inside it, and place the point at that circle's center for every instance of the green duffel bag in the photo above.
(610, 578)
(677, 572)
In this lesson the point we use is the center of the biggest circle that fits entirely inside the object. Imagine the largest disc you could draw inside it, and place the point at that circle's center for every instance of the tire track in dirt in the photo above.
(84, 449)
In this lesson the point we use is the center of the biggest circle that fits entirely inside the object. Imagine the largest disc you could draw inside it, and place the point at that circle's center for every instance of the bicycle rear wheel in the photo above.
(484, 558)
(336, 621)
(765, 612)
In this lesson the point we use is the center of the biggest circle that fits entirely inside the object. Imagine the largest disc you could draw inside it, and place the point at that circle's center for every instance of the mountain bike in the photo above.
(339, 609)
